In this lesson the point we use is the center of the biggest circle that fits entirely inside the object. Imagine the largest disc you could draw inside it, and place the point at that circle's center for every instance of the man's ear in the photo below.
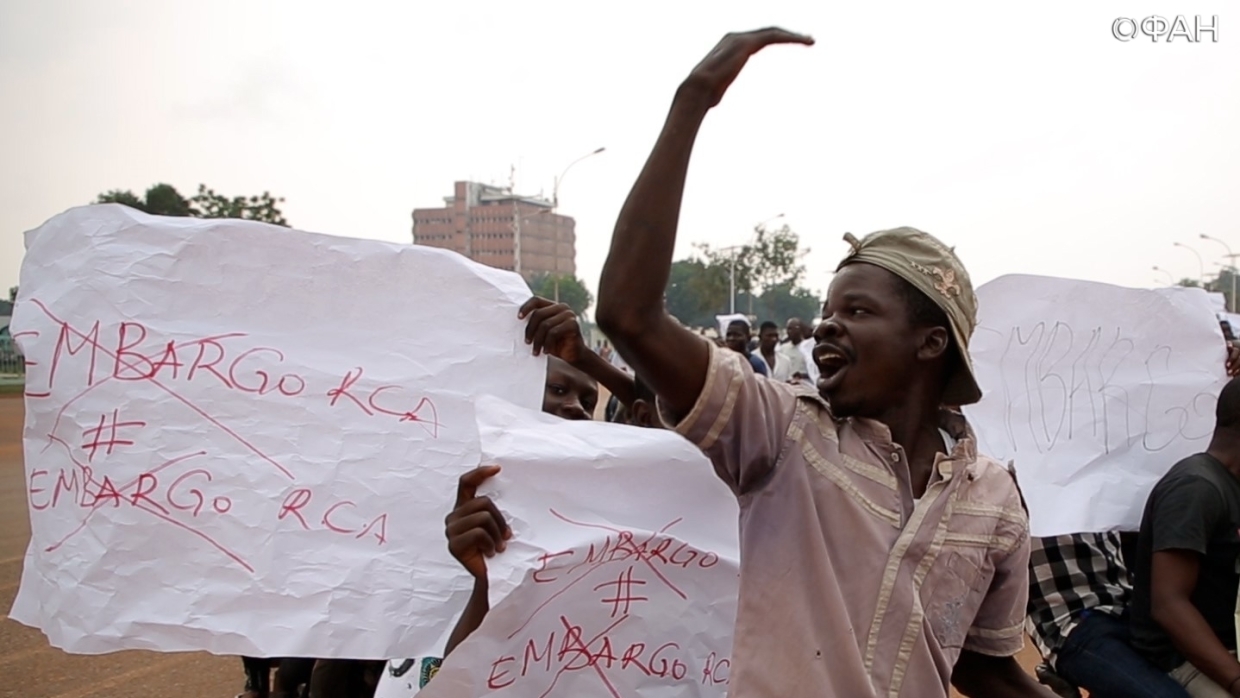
(933, 343)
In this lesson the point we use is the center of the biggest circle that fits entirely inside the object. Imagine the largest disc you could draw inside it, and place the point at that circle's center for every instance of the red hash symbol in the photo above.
(97, 439)
(624, 592)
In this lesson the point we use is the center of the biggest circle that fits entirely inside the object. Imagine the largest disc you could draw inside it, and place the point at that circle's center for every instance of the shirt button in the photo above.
(895, 457)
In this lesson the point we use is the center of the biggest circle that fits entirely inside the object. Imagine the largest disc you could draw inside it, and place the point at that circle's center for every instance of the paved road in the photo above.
(30, 668)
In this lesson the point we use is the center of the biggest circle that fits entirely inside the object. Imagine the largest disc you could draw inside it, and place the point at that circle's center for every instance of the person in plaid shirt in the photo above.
(1079, 592)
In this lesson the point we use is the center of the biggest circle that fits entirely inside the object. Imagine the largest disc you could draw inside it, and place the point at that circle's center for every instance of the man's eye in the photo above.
(558, 389)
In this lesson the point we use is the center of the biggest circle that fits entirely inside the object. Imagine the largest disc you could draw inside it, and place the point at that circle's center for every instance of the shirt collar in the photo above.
(963, 456)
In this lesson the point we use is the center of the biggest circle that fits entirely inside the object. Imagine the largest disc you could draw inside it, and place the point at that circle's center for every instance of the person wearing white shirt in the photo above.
(800, 344)
(780, 366)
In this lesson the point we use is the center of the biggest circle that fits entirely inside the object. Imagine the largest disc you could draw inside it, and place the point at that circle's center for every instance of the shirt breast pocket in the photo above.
(953, 592)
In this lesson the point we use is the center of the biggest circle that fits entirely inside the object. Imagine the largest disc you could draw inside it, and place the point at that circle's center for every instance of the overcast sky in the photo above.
(1024, 134)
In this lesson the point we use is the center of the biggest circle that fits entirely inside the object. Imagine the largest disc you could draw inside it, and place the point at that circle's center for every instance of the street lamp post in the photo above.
(732, 277)
(516, 220)
(1170, 278)
(555, 189)
(1231, 257)
(555, 205)
(1201, 265)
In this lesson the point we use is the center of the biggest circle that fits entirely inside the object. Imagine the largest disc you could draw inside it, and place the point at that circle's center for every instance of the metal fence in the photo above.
(12, 363)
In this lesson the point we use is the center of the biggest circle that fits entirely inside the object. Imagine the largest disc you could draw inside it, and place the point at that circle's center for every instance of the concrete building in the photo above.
(493, 226)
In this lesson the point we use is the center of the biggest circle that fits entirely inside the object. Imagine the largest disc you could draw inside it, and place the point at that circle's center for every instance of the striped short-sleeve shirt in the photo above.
(848, 587)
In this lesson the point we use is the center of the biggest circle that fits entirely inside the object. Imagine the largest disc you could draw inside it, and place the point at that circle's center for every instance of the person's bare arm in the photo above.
(672, 359)
(1173, 577)
(476, 530)
(979, 676)
(476, 611)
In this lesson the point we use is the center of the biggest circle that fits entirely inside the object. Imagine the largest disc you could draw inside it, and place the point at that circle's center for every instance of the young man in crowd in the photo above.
(1080, 590)
(737, 339)
(1185, 576)
(1079, 595)
(798, 343)
(779, 366)
(880, 555)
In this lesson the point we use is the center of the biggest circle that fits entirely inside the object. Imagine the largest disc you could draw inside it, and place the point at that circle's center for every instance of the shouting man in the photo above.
(880, 554)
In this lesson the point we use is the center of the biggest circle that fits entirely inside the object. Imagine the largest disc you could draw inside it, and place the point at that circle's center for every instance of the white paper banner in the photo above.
(621, 577)
(242, 438)
(1094, 391)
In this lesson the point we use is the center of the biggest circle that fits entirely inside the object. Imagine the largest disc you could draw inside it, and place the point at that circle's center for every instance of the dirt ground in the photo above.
(30, 668)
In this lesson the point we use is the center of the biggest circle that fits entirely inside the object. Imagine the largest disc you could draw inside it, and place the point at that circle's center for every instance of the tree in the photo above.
(259, 208)
(772, 259)
(780, 302)
(1227, 283)
(777, 259)
(12, 294)
(165, 200)
(572, 291)
(125, 198)
(696, 291)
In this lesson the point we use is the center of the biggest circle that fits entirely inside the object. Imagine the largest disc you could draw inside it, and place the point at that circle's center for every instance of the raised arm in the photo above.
(670, 358)
(476, 530)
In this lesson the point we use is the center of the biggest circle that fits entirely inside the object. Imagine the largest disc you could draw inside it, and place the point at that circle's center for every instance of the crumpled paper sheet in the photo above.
(1093, 391)
(621, 577)
(243, 438)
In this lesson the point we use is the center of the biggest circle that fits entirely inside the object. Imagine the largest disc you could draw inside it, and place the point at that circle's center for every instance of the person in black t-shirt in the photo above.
(1186, 578)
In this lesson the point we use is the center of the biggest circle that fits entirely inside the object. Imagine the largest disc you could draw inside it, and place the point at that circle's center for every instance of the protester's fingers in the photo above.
(715, 73)
(469, 508)
(475, 541)
(737, 47)
(540, 317)
(775, 35)
(475, 506)
(531, 305)
(562, 327)
(471, 550)
(554, 331)
(467, 486)
(483, 521)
